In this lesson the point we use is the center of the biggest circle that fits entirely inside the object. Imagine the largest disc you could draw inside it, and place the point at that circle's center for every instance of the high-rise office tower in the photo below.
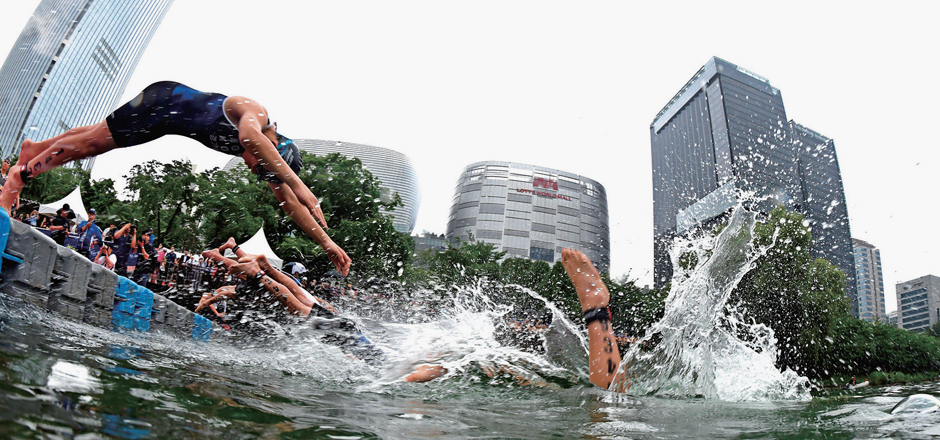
(531, 212)
(918, 303)
(70, 65)
(870, 281)
(823, 202)
(725, 133)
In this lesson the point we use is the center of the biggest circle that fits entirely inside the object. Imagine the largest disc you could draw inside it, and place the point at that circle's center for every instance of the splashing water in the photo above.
(474, 340)
(696, 354)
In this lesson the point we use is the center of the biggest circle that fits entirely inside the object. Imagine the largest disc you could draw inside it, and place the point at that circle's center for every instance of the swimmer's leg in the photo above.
(285, 297)
(231, 244)
(603, 353)
(217, 256)
(298, 292)
(39, 157)
(250, 268)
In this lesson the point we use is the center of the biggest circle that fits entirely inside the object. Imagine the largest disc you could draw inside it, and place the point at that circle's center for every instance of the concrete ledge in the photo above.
(46, 275)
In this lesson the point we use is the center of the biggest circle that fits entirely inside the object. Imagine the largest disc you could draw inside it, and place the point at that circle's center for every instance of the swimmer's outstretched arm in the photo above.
(302, 295)
(220, 294)
(299, 213)
(253, 271)
(261, 148)
(603, 353)
(296, 199)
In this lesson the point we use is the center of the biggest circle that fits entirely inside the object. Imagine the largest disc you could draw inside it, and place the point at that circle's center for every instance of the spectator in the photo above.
(170, 259)
(60, 224)
(124, 242)
(107, 236)
(326, 291)
(88, 232)
(3, 171)
(105, 257)
(33, 219)
(146, 259)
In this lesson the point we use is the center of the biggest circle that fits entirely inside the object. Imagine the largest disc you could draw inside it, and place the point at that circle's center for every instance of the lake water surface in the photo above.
(61, 379)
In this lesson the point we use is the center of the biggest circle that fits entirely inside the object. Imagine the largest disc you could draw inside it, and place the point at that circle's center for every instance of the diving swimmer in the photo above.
(233, 125)
(258, 275)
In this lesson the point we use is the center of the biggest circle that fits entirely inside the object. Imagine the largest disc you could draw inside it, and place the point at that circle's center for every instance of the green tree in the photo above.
(100, 195)
(859, 347)
(934, 330)
(54, 184)
(800, 298)
(465, 264)
(234, 204)
(60, 182)
(165, 196)
(557, 287)
(635, 310)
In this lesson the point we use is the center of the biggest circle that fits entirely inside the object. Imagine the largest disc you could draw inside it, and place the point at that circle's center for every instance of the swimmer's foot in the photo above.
(28, 150)
(11, 189)
(229, 244)
(592, 293)
(214, 254)
(264, 263)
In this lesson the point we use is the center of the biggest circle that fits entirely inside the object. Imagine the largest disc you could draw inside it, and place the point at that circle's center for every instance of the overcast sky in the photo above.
(568, 85)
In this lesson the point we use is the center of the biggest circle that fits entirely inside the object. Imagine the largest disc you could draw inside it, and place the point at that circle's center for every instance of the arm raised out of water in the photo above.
(603, 353)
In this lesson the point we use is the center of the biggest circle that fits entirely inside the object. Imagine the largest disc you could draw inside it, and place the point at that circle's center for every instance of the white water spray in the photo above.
(695, 354)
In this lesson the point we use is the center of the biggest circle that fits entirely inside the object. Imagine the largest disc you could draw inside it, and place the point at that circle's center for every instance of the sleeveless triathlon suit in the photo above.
(169, 107)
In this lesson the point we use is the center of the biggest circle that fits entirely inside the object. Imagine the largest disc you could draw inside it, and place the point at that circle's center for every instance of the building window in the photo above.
(542, 254)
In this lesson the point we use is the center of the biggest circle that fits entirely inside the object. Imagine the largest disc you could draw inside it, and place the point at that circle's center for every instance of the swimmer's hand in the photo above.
(313, 205)
(338, 256)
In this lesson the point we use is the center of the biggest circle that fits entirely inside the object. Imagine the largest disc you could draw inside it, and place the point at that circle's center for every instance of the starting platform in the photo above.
(38, 271)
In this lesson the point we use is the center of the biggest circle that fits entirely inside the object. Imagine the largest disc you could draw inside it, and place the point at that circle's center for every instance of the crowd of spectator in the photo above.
(128, 250)
(136, 253)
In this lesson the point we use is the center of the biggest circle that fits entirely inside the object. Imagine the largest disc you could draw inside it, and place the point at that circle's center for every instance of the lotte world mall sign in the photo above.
(539, 182)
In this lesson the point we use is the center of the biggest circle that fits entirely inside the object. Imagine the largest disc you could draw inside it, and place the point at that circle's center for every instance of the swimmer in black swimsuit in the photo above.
(233, 125)
(257, 274)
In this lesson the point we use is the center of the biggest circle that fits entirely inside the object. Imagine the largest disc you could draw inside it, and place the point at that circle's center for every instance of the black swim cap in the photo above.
(289, 152)
(291, 155)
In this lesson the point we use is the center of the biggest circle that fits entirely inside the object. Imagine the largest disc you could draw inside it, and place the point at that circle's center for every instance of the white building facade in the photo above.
(869, 281)
(531, 212)
(70, 66)
(919, 303)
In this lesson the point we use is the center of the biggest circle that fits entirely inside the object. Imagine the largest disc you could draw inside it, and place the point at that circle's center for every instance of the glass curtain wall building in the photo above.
(70, 65)
(871, 289)
(918, 303)
(726, 133)
(823, 203)
(393, 169)
(531, 212)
